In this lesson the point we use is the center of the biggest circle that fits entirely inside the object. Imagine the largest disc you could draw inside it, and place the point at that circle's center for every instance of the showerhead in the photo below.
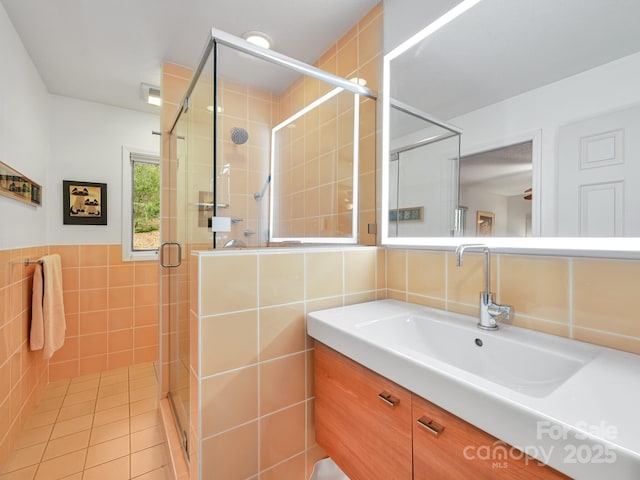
(239, 135)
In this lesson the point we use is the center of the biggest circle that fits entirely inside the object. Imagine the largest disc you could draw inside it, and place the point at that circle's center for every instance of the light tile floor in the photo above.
(101, 426)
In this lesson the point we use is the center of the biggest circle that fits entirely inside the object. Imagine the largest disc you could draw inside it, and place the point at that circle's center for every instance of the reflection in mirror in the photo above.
(498, 182)
(423, 174)
(314, 164)
(564, 72)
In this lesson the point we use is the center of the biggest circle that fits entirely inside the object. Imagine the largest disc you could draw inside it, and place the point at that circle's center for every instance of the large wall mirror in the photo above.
(543, 98)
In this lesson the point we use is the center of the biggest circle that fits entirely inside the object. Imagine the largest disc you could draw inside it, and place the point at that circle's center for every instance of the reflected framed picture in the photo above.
(84, 203)
(406, 214)
(484, 223)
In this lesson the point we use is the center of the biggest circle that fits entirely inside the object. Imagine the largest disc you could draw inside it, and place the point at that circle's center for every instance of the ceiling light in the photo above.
(258, 38)
(150, 94)
(154, 97)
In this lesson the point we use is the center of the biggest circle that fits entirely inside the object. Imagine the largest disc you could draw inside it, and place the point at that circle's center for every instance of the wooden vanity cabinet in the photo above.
(446, 447)
(375, 429)
(363, 420)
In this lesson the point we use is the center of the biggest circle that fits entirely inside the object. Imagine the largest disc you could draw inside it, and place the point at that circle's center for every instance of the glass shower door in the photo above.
(174, 258)
(189, 206)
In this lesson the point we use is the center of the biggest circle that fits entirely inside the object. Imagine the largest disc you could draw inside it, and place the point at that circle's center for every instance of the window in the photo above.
(140, 205)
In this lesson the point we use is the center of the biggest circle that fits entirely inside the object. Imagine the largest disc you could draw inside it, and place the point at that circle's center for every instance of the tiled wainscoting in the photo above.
(111, 310)
(251, 360)
(588, 299)
(23, 373)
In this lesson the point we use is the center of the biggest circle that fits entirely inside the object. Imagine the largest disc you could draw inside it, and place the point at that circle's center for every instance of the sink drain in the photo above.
(478, 342)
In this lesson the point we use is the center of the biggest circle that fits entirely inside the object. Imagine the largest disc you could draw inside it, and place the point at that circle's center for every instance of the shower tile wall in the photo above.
(256, 380)
(592, 300)
(318, 153)
(23, 373)
(243, 169)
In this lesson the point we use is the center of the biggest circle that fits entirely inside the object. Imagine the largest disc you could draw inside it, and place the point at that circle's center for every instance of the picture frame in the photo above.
(15, 185)
(484, 223)
(406, 214)
(84, 203)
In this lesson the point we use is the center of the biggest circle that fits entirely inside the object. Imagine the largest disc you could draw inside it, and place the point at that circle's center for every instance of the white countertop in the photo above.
(587, 428)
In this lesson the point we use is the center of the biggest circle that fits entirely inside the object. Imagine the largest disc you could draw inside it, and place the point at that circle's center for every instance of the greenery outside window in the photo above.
(140, 205)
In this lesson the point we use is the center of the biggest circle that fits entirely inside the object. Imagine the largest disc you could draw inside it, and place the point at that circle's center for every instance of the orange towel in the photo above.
(47, 311)
(37, 323)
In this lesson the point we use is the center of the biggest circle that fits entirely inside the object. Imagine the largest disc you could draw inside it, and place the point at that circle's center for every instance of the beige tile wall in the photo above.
(256, 381)
(247, 164)
(317, 167)
(589, 299)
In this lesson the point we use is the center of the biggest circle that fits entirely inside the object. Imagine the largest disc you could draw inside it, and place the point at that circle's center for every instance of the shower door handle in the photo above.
(170, 265)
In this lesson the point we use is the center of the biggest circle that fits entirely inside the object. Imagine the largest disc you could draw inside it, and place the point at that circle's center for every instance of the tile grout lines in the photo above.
(97, 444)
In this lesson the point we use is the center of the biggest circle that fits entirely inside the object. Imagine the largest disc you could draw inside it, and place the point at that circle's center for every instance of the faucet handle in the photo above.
(501, 313)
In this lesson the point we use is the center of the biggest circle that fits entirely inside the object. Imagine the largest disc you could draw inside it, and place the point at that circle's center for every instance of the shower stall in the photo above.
(263, 149)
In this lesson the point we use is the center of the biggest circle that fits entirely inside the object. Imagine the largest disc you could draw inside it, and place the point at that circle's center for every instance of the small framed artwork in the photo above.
(84, 203)
(484, 223)
(15, 185)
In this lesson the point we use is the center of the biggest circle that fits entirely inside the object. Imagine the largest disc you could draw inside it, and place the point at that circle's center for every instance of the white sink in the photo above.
(548, 396)
(518, 359)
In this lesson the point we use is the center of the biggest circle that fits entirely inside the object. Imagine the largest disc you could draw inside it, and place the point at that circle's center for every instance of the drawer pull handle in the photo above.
(389, 399)
(431, 425)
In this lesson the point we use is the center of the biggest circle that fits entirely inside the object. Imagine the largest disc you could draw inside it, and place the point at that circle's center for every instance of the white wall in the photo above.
(49, 138)
(24, 140)
(478, 199)
(427, 179)
(86, 145)
(518, 216)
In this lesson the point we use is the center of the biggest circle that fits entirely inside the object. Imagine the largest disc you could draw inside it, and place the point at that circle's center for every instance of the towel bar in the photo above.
(28, 262)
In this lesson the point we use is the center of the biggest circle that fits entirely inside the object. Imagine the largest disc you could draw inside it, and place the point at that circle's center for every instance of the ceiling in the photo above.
(102, 51)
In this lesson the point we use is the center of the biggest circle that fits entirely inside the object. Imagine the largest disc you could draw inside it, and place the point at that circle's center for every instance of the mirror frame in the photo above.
(627, 247)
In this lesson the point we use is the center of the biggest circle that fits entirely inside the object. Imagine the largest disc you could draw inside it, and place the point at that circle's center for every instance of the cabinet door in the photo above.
(363, 421)
(446, 447)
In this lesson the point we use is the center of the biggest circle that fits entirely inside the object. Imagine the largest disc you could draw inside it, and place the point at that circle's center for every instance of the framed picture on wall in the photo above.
(484, 224)
(84, 203)
(15, 185)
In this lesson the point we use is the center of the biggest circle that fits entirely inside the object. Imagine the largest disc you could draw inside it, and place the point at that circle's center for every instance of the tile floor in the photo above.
(100, 426)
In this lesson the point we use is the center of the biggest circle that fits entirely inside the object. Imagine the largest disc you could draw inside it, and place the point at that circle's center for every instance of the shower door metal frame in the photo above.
(226, 39)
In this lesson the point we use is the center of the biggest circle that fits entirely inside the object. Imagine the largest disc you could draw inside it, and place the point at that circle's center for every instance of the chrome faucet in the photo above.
(490, 312)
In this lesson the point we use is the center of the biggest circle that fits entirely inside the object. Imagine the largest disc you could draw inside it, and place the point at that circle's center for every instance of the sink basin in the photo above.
(527, 362)
(546, 394)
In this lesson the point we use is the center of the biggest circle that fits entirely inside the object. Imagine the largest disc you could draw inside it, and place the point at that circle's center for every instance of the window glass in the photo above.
(145, 187)
(140, 205)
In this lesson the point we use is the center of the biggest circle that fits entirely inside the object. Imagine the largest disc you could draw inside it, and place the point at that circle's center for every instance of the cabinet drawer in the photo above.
(363, 420)
(446, 447)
